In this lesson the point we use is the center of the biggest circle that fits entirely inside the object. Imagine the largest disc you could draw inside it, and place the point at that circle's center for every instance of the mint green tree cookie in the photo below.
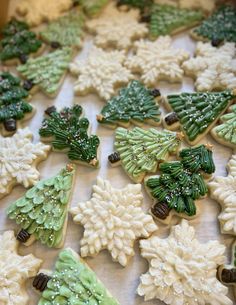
(92, 7)
(42, 212)
(72, 282)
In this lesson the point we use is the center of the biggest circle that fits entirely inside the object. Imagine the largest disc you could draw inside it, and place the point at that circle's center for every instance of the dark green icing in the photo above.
(221, 25)
(181, 182)
(66, 30)
(74, 283)
(12, 98)
(70, 133)
(227, 130)
(166, 19)
(197, 111)
(93, 7)
(134, 102)
(47, 70)
(43, 210)
(141, 4)
(17, 41)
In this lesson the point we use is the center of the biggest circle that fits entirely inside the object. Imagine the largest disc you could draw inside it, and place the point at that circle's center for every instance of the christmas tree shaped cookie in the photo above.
(225, 133)
(65, 31)
(14, 107)
(93, 7)
(139, 151)
(18, 160)
(133, 104)
(47, 71)
(196, 113)
(14, 271)
(72, 282)
(18, 43)
(68, 133)
(219, 27)
(181, 183)
(42, 212)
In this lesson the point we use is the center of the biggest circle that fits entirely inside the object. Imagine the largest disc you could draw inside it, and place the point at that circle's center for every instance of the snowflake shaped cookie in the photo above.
(101, 72)
(117, 28)
(113, 219)
(178, 277)
(206, 6)
(14, 271)
(18, 160)
(213, 68)
(36, 12)
(157, 61)
(223, 190)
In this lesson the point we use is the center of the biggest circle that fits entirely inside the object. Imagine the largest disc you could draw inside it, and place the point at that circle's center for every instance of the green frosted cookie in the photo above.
(141, 4)
(92, 7)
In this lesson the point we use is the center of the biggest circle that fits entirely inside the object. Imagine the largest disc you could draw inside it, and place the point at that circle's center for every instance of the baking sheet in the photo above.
(122, 282)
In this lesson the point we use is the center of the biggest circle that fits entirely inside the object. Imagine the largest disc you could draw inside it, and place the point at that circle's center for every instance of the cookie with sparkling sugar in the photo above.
(67, 132)
(172, 266)
(15, 270)
(72, 282)
(116, 28)
(134, 104)
(223, 190)
(196, 113)
(18, 160)
(225, 133)
(139, 151)
(47, 72)
(102, 72)
(206, 6)
(113, 219)
(157, 60)
(42, 213)
(213, 68)
(37, 12)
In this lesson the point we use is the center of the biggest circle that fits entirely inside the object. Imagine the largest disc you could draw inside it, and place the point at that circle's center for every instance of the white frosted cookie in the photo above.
(117, 28)
(157, 60)
(205, 5)
(18, 160)
(113, 219)
(212, 67)
(182, 270)
(14, 271)
(223, 190)
(36, 12)
(101, 72)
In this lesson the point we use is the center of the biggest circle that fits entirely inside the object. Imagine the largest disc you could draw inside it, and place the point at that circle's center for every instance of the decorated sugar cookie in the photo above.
(14, 271)
(14, 107)
(207, 6)
(181, 183)
(42, 212)
(93, 7)
(133, 104)
(117, 28)
(68, 132)
(157, 60)
(72, 282)
(18, 43)
(66, 31)
(18, 160)
(212, 67)
(182, 270)
(225, 133)
(139, 151)
(219, 27)
(102, 72)
(47, 71)
(113, 219)
(223, 190)
(196, 113)
(36, 12)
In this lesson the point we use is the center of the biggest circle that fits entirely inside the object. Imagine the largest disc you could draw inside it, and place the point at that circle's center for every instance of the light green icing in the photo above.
(43, 210)
(133, 102)
(74, 283)
(140, 150)
(93, 7)
(47, 71)
(66, 30)
(227, 130)
(166, 19)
